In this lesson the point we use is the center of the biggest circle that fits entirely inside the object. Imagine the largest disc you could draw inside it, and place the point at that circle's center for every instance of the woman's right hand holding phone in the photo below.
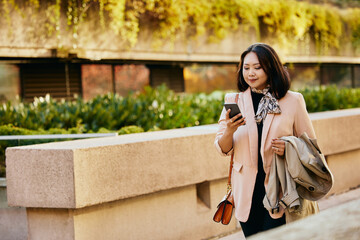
(234, 122)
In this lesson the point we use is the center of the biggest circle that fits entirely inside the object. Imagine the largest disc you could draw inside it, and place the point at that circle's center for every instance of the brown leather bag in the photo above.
(225, 208)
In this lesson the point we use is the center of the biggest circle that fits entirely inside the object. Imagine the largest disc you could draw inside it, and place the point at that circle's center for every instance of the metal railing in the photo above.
(57, 136)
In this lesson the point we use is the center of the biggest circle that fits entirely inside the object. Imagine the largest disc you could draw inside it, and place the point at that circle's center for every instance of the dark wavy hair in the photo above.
(278, 76)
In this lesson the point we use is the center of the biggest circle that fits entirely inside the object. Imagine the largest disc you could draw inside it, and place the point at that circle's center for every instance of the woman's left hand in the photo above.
(278, 146)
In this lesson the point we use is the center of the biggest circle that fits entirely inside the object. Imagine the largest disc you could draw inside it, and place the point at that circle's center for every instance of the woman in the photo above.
(270, 112)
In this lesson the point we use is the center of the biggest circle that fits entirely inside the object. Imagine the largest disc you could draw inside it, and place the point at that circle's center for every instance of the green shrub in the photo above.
(154, 108)
(326, 98)
(104, 130)
(158, 108)
(9, 129)
(130, 129)
(151, 110)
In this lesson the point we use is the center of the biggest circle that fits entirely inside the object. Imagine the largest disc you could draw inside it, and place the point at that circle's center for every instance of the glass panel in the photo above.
(96, 80)
(337, 74)
(9, 82)
(131, 78)
(207, 78)
(357, 76)
(304, 75)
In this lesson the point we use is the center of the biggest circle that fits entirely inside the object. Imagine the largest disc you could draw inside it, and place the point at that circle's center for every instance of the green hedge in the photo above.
(10, 129)
(150, 110)
(330, 98)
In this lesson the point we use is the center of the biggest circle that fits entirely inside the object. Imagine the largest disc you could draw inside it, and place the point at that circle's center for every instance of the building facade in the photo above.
(94, 60)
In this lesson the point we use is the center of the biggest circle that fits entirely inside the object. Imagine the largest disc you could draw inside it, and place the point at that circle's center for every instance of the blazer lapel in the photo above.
(267, 124)
(251, 126)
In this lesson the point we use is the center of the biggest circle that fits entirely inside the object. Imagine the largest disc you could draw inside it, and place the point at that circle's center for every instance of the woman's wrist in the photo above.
(226, 141)
(229, 132)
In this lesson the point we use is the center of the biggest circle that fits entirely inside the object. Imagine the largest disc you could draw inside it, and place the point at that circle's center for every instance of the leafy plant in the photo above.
(151, 110)
(325, 98)
(130, 129)
(10, 129)
(283, 21)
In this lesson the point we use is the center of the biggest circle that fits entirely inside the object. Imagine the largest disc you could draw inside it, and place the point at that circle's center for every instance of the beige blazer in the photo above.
(293, 121)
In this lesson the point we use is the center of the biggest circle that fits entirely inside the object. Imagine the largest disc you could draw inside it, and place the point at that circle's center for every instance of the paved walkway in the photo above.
(325, 203)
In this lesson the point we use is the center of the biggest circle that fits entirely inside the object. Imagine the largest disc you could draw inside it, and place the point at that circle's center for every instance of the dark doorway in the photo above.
(172, 76)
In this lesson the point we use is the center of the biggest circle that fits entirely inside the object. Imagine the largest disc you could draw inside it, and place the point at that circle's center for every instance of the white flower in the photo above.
(155, 104)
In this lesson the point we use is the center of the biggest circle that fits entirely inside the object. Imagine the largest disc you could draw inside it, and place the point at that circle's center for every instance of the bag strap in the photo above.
(230, 170)
(232, 157)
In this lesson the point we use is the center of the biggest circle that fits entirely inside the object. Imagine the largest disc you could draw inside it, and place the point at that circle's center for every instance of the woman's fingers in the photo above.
(278, 142)
(233, 119)
(238, 120)
(241, 121)
(279, 151)
(278, 146)
(228, 114)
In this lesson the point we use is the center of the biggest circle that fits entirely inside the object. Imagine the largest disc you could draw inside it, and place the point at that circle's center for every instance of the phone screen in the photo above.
(234, 109)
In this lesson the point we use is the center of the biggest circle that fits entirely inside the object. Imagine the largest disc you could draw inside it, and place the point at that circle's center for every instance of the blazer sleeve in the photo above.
(229, 97)
(302, 121)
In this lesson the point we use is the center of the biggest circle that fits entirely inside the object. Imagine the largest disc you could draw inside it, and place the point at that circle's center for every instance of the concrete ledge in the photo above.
(82, 173)
(167, 183)
(13, 224)
(345, 168)
(37, 177)
(175, 214)
(337, 131)
(2, 182)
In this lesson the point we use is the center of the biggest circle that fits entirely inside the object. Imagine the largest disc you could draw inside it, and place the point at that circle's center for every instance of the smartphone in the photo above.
(234, 109)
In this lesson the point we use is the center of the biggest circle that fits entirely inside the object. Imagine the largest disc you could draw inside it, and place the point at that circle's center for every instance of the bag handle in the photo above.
(232, 157)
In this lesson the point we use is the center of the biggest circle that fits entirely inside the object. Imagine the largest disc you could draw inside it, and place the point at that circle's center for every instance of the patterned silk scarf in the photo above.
(268, 104)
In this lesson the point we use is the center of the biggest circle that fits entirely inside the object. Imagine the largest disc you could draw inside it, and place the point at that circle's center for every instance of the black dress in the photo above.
(259, 218)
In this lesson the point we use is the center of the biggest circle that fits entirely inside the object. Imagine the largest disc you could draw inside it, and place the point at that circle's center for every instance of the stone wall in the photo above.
(155, 185)
(29, 38)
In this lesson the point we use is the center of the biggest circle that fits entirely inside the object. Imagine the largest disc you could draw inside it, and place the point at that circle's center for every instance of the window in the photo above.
(338, 74)
(9, 82)
(208, 78)
(357, 76)
(171, 76)
(304, 75)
